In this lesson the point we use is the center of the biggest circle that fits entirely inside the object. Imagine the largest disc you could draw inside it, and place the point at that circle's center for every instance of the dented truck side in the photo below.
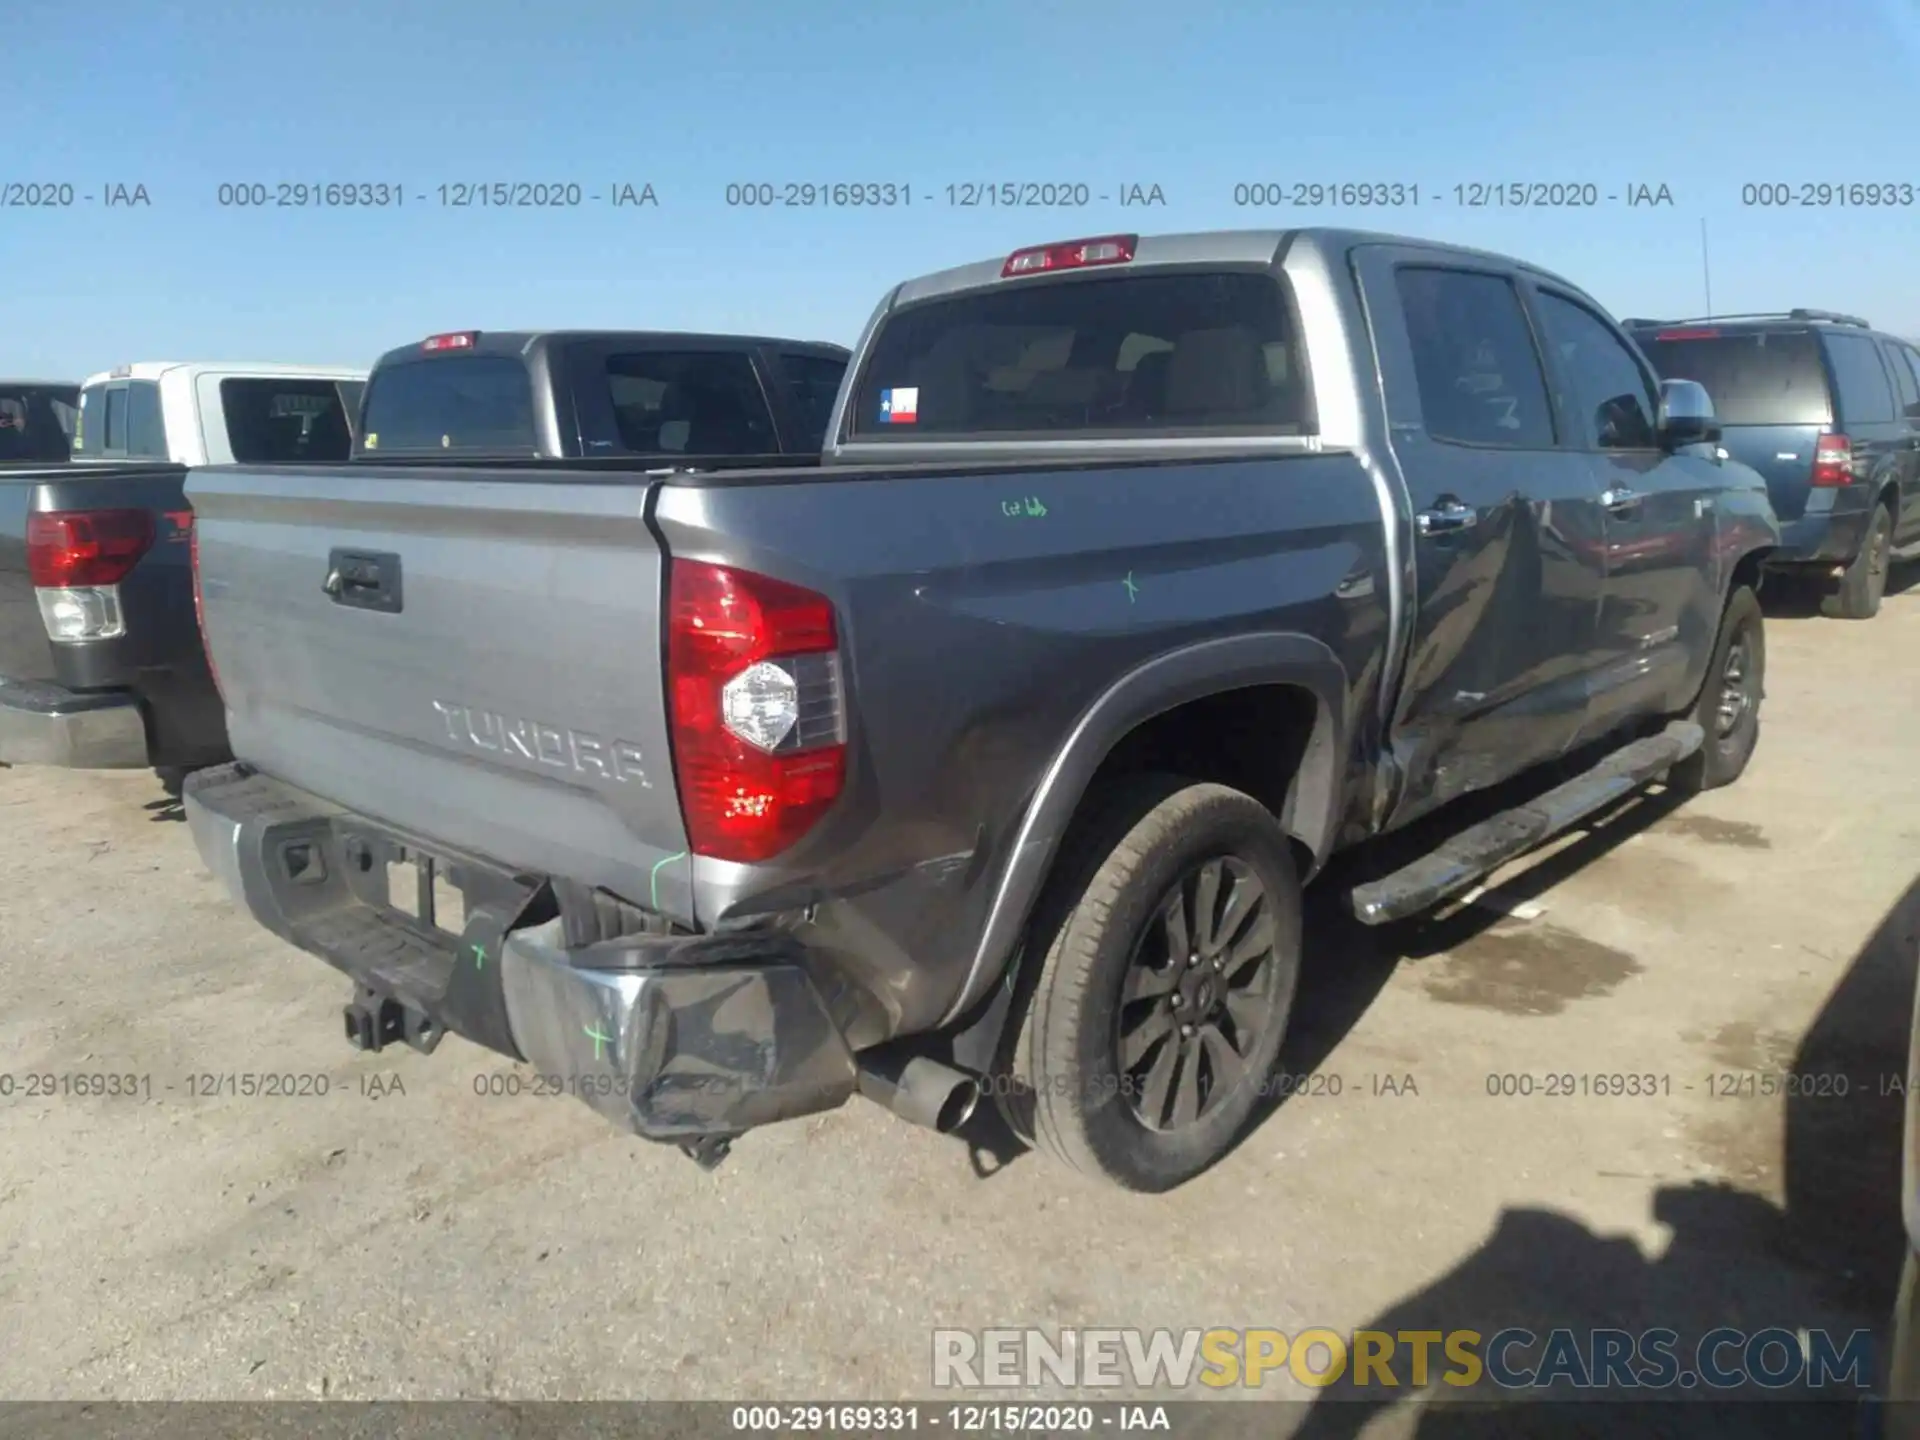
(754, 784)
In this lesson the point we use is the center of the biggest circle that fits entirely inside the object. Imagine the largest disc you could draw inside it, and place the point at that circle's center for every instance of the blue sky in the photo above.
(1194, 98)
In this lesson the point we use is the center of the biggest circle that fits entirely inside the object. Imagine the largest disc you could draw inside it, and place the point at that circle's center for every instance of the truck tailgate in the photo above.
(475, 657)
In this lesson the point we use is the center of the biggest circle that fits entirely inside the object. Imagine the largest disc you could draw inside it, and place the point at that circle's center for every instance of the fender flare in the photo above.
(1210, 667)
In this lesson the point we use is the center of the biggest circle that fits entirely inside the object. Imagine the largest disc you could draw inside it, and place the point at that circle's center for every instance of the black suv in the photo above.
(1828, 409)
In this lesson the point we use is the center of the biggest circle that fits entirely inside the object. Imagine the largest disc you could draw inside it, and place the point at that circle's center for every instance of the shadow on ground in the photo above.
(1786, 597)
(1827, 1260)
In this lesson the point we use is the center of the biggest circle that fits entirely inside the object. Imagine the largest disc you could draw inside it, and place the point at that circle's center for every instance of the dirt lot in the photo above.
(406, 1236)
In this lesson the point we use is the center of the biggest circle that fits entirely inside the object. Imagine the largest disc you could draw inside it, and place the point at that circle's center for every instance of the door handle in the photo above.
(1449, 515)
(364, 579)
(1620, 499)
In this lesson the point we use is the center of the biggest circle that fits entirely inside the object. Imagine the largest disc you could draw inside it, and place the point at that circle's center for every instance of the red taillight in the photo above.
(200, 608)
(1688, 335)
(68, 549)
(1071, 255)
(461, 340)
(1832, 461)
(758, 719)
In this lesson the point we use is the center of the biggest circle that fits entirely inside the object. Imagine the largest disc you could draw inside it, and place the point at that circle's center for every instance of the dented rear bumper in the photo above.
(674, 1037)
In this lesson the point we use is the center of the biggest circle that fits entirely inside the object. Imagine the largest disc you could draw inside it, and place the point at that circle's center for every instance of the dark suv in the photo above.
(1828, 409)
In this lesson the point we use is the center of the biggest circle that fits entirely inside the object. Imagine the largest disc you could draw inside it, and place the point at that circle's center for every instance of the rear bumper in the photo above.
(675, 1038)
(45, 725)
(1825, 537)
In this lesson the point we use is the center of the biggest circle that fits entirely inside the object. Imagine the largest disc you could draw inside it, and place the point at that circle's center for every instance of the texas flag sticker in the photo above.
(899, 407)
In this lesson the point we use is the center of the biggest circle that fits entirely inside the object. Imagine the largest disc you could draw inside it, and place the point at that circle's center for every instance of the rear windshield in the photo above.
(36, 422)
(474, 403)
(288, 422)
(1118, 355)
(1760, 378)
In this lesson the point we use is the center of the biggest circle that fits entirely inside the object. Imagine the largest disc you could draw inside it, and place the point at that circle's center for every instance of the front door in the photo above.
(1661, 611)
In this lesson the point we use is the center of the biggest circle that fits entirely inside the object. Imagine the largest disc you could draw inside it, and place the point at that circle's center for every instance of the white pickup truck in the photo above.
(219, 414)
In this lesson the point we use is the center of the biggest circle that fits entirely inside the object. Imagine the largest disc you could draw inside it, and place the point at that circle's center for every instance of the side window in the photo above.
(69, 417)
(146, 431)
(702, 402)
(113, 429)
(350, 393)
(1474, 358)
(1865, 395)
(1611, 397)
(813, 381)
(285, 422)
(1906, 380)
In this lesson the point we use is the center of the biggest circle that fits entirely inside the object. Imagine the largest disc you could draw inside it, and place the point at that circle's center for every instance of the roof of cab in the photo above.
(1203, 247)
(519, 342)
(266, 369)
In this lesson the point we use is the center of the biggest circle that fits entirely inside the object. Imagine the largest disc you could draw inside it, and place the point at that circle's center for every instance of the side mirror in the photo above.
(1686, 415)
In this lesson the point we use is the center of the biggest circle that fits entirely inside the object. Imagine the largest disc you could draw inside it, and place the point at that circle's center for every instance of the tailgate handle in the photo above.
(364, 579)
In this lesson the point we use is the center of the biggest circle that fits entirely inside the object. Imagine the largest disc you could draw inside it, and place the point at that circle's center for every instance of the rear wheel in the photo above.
(1171, 944)
(1865, 583)
(1728, 709)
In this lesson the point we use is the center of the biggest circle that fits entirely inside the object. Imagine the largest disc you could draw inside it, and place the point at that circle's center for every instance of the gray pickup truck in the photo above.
(1141, 575)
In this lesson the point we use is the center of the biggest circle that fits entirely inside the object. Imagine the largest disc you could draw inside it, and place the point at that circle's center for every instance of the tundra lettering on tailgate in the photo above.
(575, 750)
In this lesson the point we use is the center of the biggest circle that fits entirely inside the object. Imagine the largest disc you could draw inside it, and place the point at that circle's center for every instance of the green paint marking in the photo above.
(593, 1033)
(1132, 589)
(656, 875)
(1030, 505)
(479, 956)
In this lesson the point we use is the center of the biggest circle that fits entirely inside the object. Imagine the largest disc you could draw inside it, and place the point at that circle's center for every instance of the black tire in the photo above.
(1865, 583)
(1104, 926)
(1729, 705)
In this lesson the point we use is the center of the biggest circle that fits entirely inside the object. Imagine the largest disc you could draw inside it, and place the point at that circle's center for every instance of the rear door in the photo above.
(1661, 610)
(1769, 392)
(1509, 542)
(1903, 363)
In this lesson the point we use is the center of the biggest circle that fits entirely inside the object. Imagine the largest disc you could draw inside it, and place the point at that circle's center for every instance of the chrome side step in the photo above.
(1484, 847)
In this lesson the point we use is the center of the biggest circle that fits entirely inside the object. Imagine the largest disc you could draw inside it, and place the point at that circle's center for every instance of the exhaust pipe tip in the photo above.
(920, 1089)
(963, 1100)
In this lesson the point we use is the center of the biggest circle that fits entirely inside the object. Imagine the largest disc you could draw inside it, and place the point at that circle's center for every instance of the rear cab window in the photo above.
(276, 421)
(450, 404)
(1754, 377)
(36, 422)
(1168, 352)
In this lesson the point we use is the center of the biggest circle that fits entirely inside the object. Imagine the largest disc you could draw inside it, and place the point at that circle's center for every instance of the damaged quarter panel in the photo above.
(976, 638)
